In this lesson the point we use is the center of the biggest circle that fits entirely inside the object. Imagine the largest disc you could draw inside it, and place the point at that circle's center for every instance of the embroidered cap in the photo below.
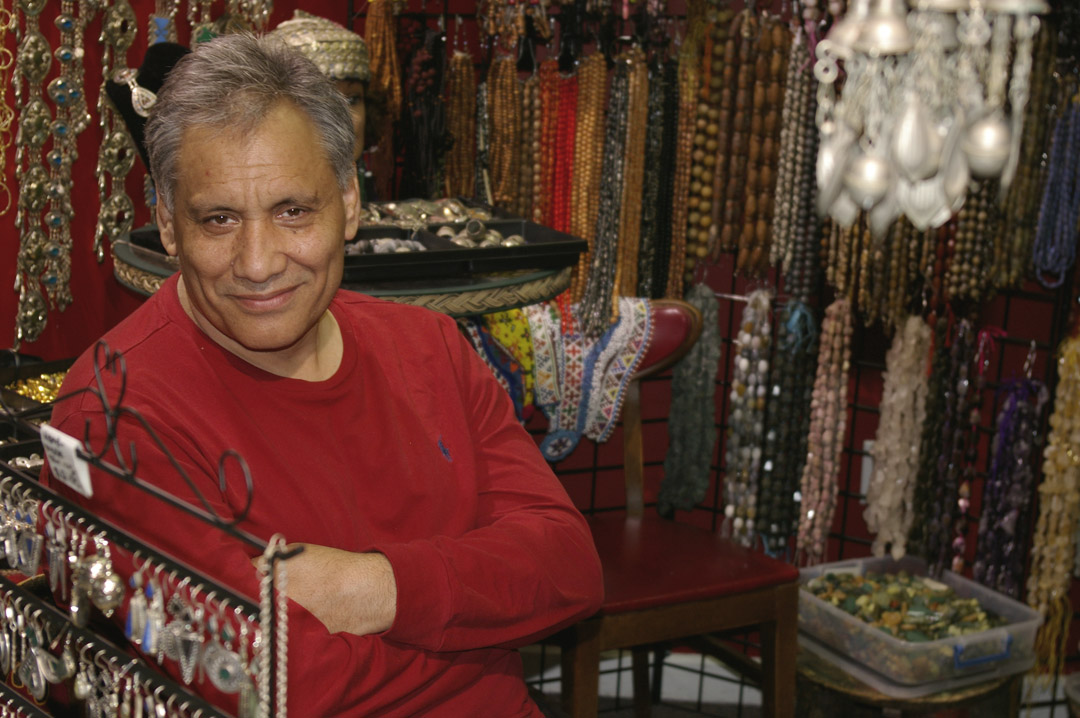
(338, 52)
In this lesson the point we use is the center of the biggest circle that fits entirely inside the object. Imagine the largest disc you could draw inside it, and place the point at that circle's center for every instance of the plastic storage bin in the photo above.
(909, 668)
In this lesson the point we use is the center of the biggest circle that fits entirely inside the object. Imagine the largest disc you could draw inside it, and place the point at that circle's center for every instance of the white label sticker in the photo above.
(64, 462)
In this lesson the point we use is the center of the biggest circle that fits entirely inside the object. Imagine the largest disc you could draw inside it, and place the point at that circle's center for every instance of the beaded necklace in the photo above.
(588, 158)
(746, 416)
(748, 33)
(626, 271)
(653, 164)
(566, 131)
(381, 36)
(952, 449)
(787, 422)
(722, 127)
(599, 288)
(666, 172)
(461, 122)
(890, 498)
(424, 124)
(699, 215)
(1053, 548)
(684, 158)
(1055, 237)
(548, 152)
(692, 430)
(1006, 500)
(1020, 210)
(773, 44)
(530, 180)
(930, 438)
(825, 441)
(7, 113)
(504, 111)
(483, 151)
(977, 241)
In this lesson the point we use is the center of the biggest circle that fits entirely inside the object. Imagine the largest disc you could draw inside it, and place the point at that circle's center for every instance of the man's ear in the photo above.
(351, 199)
(167, 229)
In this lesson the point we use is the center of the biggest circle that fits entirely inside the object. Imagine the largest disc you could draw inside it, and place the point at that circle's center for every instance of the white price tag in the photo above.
(64, 462)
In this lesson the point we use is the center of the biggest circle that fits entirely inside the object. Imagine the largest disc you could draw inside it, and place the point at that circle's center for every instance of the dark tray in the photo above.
(544, 248)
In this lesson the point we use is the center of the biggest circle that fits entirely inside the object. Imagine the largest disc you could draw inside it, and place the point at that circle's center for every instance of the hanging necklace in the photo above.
(530, 179)
(381, 36)
(787, 423)
(650, 197)
(504, 107)
(565, 139)
(116, 155)
(773, 44)
(548, 127)
(596, 302)
(461, 121)
(825, 441)
(1006, 501)
(588, 158)
(1053, 549)
(746, 30)
(684, 161)
(665, 180)
(1055, 238)
(626, 271)
(890, 497)
(746, 416)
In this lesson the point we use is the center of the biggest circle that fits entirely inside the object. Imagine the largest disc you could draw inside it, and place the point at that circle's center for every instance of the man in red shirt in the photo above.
(436, 539)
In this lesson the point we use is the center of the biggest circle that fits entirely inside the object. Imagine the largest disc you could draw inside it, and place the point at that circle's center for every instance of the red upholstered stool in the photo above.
(667, 581)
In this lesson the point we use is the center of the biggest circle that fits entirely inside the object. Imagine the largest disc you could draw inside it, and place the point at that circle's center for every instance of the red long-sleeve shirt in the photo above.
(410, 449)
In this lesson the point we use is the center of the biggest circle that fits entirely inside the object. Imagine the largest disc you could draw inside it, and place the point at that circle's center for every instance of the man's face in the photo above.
(259, 224)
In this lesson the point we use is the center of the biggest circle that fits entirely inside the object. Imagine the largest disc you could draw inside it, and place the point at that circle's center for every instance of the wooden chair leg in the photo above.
(581, 671)
(779, 648)
(642, 693)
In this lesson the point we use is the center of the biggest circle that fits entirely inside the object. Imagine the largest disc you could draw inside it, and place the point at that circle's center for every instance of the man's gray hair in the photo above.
(232, 83)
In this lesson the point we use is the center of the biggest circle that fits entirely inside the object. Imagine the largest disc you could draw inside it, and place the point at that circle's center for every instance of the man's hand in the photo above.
(348, 592)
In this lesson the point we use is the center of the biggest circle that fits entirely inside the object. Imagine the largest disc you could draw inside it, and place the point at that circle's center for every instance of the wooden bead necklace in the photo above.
(747, 33)
(773, 45)
(530, 144)
(977, 239)
(825, 440)
(699, 222)
(890, 498)
(684, 162)
(381, 36)
(461, 123)
(746, 417)
(787, 423)
(720, 124)
(1053, 545)
(504, 111)
(588, 158)
(548, 152)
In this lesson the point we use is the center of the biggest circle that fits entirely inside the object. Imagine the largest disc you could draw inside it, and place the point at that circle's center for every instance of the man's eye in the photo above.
(218, 219)
(294, 212)
(355, 100)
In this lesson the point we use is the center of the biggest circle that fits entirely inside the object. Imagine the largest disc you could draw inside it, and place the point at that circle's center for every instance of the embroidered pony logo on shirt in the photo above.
(445, 451)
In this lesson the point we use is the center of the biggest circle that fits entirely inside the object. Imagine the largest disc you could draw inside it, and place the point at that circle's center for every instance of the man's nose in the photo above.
(260, 251)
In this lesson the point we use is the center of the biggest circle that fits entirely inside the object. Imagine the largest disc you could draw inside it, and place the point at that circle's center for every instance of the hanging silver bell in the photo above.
(845, 33)
(885, 30)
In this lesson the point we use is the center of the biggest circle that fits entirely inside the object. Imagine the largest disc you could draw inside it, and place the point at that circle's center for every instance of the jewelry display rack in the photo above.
(196, 626)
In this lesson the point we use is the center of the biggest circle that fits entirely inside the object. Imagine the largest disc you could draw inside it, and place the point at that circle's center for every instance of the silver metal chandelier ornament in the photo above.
(923, 108)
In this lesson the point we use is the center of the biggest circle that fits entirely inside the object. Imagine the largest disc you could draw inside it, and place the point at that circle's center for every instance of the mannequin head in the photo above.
(339, 53)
